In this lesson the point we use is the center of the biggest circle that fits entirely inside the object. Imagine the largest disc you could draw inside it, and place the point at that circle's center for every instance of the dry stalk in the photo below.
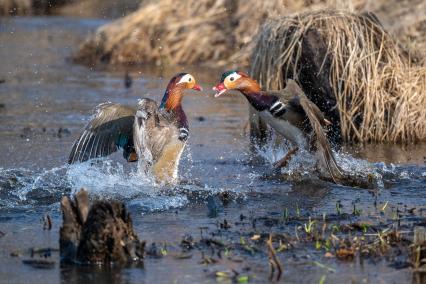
(381, 95)
(274, 262)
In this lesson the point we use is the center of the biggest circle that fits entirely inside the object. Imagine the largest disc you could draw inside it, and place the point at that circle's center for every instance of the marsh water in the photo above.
(46, 101)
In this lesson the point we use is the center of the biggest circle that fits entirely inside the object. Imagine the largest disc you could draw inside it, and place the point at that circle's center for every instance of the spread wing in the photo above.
(110, 128)
(317, 121)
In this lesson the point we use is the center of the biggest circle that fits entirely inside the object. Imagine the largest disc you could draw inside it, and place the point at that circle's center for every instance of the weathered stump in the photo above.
(102, 233)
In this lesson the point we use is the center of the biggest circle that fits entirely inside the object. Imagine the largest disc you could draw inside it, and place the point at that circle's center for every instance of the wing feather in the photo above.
(102, 133)
(317, 120)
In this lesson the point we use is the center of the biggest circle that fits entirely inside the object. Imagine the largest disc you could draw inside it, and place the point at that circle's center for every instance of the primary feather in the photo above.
(110, 128)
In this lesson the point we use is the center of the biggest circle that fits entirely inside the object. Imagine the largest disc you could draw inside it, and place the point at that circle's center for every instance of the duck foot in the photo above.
(284, 160)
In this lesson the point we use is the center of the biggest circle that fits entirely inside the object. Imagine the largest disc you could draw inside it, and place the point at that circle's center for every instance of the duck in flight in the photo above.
(290, 113)
(153, 135)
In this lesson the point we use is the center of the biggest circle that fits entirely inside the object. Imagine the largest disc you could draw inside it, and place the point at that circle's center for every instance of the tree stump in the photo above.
(100, 234)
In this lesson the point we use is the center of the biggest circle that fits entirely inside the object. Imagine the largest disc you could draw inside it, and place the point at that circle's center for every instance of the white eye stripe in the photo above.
(186, 79)
(234, 75)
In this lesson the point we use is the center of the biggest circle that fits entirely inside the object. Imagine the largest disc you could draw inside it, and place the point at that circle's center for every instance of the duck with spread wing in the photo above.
(290, 113)
(153, 135)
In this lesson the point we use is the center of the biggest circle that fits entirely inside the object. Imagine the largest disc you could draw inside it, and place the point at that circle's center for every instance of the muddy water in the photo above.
(45, 102)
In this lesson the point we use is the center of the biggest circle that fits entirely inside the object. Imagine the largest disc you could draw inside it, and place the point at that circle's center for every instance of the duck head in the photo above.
(174, 93)
(236, 80)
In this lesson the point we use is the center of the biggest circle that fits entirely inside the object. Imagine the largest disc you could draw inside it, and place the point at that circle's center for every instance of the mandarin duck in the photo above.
(151, 134)
(290, 113)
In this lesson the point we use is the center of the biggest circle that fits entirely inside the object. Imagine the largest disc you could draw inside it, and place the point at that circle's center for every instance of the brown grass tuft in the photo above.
(168, 32)
(15, 7)
(381, 95)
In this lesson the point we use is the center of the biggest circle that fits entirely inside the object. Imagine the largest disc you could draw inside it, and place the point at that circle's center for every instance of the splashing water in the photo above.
(103, 178)
(25, 188)
(304, 163)
(107, 179)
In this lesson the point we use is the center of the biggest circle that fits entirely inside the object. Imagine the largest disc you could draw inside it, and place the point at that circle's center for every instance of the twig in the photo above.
(274, 262)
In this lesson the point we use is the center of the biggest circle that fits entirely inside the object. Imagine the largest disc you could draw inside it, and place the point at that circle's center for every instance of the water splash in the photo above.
(304, 164)
(103, 178)
(25, 188)
(107, 179)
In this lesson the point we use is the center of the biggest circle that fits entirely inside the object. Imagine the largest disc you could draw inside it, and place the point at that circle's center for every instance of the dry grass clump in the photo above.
(212, 32)
(167, 32)
(15, 7)
(406, 20)
(380, 95)
(219, 32)
(176, 32)
(30, 7)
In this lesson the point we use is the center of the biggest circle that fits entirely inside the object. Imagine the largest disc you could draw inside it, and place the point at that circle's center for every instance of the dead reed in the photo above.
(381, 95)
(31, 7)
(167, 32)
(15, 7)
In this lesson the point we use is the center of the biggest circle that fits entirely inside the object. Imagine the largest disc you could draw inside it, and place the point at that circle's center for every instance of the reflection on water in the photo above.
(390, 153)
(47, 101)
(108, 275)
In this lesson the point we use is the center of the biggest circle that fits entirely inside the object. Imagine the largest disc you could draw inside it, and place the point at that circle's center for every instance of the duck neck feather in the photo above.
(172, 98)
(258, 99)
(249, 85)
(172, 103)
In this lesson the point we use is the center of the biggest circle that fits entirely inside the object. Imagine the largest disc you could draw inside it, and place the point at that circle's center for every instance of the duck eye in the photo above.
(189, 80)
(231, 79)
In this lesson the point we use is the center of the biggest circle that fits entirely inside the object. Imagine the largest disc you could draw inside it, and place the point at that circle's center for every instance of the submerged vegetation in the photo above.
(227, 250)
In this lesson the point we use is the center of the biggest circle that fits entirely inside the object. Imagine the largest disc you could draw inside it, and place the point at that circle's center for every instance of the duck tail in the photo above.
(328, 159)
